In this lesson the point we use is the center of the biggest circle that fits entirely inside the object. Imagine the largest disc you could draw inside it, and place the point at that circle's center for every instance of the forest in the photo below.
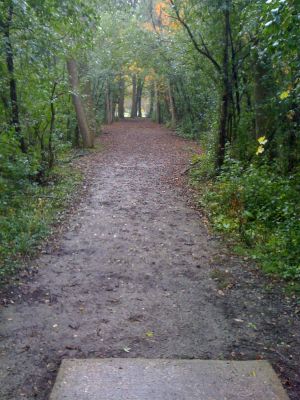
(224, 73)
(149, 199)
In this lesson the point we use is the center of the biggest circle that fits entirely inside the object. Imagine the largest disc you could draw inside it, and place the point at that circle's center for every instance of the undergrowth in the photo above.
(28, 209)
(257, 208)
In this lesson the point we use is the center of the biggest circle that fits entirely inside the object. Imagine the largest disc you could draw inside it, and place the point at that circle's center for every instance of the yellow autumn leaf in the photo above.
(262, 140)
(260, 150)
(284, 95)
(149, 334)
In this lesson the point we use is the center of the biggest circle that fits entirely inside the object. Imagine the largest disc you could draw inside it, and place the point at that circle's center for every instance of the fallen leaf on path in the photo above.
(74, 326)
(127, 349)
(252, 325)
(149, 334)
(238, 320)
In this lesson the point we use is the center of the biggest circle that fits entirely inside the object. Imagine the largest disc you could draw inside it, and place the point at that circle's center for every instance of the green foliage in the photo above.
(28, 210)
(15, 166)
(257, 205)
(37, 38)
(255, 196)
(187, 128)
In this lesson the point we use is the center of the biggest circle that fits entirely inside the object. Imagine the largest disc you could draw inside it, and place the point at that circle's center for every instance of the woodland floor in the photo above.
(136, 273)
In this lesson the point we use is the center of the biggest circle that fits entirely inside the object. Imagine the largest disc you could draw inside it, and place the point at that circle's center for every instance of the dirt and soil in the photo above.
(137, 274)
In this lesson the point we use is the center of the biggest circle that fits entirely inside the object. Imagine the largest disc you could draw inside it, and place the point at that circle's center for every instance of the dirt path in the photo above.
(132, 278)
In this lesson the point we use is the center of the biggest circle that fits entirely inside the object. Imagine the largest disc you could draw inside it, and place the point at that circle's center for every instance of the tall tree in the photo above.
(121, 97)
(15, 119)
(134, 97)
(79, 108)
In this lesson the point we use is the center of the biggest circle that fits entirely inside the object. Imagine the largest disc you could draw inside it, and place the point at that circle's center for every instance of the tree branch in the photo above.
(204, 52)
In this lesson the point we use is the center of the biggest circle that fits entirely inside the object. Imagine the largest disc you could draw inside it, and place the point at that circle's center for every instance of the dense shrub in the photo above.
(262, 208)
(27, 207)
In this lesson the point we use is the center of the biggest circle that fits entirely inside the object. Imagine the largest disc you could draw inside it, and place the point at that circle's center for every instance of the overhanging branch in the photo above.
(205, 52)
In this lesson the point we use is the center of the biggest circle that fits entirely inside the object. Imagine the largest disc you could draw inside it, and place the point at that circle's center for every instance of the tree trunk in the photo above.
(134, 97)
(90, 109)
(113, 108)
(151, 105)
(52, 127)
(139, 97)
(79, 109)
(236, 98)
(76, 136)
(157, 104)
(171, 105)
(108, 104)
(15, 120)
(121, 98)
(226, 91)
(293, 157)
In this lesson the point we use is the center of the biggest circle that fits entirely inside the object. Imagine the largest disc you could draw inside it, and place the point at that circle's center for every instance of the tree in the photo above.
(80, 112)
(134, 97)
(6, 26)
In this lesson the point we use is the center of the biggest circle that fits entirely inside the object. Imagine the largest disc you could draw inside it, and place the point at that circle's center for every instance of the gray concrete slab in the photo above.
(161, 379)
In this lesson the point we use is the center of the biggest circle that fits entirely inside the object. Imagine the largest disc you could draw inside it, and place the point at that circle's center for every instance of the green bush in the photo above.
(262, 208)
(27, 208)
(188, 128)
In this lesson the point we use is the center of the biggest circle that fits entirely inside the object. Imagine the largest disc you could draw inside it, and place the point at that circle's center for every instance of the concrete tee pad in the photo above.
(162, 379)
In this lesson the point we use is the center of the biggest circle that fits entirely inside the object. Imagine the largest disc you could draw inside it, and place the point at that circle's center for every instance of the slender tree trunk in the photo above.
(140, 85)
(134, 97)
(121, 98)
(15, 120)
(293, 157)
(157, 105)
(109, 104)
(113, 107)
(171, 104)
(76, 136)
(236, 99)
(151, 105)
(226, 90)
(52, 127)
(79, 109)
(140, 113)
